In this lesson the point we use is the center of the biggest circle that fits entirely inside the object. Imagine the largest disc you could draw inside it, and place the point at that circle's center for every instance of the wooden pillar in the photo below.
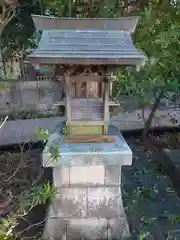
(111, 87)
(73, 90)
(102, 90)
(106, 105)
(68, 97)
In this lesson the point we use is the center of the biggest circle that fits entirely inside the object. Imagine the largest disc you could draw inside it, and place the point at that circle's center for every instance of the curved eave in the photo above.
(48, 23)
(89, 61)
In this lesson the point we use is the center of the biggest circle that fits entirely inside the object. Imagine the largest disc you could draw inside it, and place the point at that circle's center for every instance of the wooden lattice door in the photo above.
(86, 90)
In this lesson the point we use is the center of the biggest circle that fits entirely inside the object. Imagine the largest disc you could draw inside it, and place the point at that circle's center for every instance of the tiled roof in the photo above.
(86, 44)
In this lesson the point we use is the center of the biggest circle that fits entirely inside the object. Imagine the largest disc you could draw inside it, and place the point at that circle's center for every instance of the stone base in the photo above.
(87, 228)
(87, 176)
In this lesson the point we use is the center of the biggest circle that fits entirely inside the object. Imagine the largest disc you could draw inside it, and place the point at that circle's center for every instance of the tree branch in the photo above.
(8, 12)
(2, 124)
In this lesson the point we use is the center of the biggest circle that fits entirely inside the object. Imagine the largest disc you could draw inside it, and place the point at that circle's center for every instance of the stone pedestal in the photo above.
(88, 204)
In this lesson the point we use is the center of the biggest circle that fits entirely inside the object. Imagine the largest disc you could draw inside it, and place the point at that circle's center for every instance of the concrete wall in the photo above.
(29, 95)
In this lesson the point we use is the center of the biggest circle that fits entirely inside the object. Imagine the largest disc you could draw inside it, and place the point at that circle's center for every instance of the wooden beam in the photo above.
(87, 61)
(63, 103)
(111, 87)
(85, 123)
(81, 78)
(68, 97)
(106, 106)
(88, 139)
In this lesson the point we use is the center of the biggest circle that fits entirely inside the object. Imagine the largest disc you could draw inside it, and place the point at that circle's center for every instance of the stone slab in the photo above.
(118, 228)
(61, 176)
(94, 229)
(87, 175)
(113, 175)
(86, 228)
(90, 229)
(104, 202)
(54, 228)
(93, 202)
(116, 153)
(70, 202)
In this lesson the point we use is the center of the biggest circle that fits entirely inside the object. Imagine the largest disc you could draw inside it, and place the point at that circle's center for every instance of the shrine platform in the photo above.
(87, 176)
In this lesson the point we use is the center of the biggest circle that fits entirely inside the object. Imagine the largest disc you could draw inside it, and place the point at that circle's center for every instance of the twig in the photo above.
(2, 124)
(33, 225)
(30, 227)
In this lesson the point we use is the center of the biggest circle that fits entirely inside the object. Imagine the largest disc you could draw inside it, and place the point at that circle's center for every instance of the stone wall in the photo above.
(29, 95)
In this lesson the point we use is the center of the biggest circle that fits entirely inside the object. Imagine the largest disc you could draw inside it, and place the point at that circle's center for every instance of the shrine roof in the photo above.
(86, 46)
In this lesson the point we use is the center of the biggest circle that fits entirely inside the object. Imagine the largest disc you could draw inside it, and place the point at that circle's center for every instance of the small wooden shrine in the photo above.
(87, 52)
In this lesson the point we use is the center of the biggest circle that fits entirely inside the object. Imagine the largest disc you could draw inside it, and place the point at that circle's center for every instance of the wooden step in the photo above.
(88, 138)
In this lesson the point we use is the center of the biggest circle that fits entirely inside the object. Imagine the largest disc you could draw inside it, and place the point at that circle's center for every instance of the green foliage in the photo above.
(7, 228)
(97, 8)
(3, 86)
(158, 35)
(42, 134)
(16, 35)
(144, 236)
(83, 8)
(36, 196)
(31, 198)
(54, 153)
(65, 130)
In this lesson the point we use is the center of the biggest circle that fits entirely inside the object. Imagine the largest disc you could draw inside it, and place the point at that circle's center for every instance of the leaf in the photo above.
(54, 152)
(42, 134)
(4, 86)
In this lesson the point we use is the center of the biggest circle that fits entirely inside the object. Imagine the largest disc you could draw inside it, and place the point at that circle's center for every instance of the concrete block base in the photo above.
(88, 203)
(86, 228)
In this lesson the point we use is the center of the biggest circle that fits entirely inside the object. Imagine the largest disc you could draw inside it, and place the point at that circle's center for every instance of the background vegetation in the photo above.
(157, 35)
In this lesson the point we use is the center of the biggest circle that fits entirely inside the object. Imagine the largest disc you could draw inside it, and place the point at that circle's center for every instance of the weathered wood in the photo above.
(111, 86)
(68, 97)
(85, 123)
(88, 90)
(90, 78)
(92, 89)
(88, 139)
(84, 109)
(102, 90)
(80, 89)
(73, 90)
(106, 106)
(83, 129)
(105, 129)
(87, 61)
(63, 102)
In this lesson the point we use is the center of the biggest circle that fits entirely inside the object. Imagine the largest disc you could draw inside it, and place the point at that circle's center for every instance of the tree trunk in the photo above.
(148, 122)
(1, 57)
